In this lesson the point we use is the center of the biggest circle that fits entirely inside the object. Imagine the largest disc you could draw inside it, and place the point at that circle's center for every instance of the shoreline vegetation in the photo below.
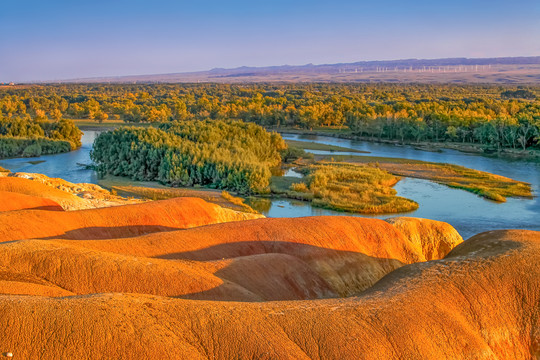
(26, 137)
(345, 187)
(356, 190)
(345, 133)
(234, 155)
(490, 186)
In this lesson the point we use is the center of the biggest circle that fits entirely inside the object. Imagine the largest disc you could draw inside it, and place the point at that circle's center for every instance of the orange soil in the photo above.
(13, 201)
(265, 259)
(34, 188)
(480, 302)
(348, 253)
(112, 222)
(435, 238)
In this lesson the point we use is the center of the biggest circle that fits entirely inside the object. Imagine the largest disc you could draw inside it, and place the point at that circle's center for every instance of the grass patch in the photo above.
(308, 145)
(348, 187)
(2, 170)
(484, 184)
(154, 191)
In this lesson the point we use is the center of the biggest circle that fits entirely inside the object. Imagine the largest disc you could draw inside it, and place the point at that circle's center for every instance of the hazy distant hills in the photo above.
(455, 70)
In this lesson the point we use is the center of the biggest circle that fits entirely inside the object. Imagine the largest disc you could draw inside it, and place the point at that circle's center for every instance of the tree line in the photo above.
(27, 137)
(492, 115)
(229, 155)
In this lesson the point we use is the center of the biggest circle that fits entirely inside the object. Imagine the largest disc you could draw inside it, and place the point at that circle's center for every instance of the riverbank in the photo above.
(308, 145)
(93, 125)
(344, 133)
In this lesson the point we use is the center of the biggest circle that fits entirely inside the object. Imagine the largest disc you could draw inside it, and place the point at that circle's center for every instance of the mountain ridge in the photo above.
(523, 69)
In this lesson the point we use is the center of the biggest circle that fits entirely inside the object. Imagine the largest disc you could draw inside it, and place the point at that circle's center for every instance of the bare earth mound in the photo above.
(35, 188)
(480, 302)
(13, 201)
(433, 238)
(256, 260)
(113, 222)
(348, 253)
(186, 279)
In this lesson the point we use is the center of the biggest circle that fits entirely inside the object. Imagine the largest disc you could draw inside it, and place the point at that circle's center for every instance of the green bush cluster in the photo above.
(234, 155)
(16, 147)
(22, 136)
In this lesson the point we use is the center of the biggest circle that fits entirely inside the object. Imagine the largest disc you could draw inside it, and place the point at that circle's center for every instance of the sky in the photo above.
(44, 40)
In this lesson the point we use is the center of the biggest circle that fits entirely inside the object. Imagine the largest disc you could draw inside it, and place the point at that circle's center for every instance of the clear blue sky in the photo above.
(56, 39)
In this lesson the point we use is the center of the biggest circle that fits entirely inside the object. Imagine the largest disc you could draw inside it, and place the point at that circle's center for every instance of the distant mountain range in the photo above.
(456, 70)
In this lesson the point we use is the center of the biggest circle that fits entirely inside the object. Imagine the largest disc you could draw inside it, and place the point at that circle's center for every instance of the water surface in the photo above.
(468, 213)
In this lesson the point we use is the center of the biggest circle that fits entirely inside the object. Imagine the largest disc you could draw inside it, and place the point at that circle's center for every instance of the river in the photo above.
(468, 213)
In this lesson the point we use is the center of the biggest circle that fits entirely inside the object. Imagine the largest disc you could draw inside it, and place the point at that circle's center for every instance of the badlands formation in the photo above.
(186, 279)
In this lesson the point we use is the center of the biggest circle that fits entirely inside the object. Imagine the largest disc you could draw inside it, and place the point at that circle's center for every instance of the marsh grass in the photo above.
(351, 188)
(490, 186)
(308, 145)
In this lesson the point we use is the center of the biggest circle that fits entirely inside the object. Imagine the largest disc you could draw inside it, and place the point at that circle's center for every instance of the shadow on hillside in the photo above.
(248, 248)
(475, 254)
(44, 207)
(304, 272)
(113, 232)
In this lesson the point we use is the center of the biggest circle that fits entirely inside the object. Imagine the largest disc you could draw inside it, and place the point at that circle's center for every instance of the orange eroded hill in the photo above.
(35, 188)
(14, 201)
(113, 222)
(480, 302)
(84, 271)
(348, 253)
(433, 238)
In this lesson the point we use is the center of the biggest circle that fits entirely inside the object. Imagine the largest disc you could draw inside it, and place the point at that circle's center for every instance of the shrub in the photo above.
(32, 150)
